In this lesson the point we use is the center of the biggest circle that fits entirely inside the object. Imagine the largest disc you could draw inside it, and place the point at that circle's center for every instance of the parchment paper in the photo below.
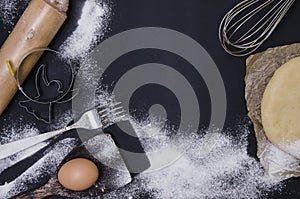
(260, 68)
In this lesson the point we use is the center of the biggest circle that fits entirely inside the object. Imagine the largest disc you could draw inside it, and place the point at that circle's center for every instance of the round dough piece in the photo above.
(280, 108)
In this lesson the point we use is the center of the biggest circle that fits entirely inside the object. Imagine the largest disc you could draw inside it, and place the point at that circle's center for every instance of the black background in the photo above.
(198, 19)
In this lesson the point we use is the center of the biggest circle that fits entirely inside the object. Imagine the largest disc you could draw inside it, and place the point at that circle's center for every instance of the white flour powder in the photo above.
(212, 166)
(45, 166)
(91, 27)
(293, 148)
(222, 171)
(279, 164)
(16, 132)
(10, 10)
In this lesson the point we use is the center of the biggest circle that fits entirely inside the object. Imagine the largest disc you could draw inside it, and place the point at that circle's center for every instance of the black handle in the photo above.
(129, 146)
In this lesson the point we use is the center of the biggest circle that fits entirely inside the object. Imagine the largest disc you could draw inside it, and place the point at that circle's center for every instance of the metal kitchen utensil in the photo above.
(108, 118)
(29, 33)
(248, 24)
(110, 178)
(93, 119)
(62, 94)
(133, 158)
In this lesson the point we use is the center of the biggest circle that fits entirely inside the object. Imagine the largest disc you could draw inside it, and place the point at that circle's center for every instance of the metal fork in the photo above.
(100, 117)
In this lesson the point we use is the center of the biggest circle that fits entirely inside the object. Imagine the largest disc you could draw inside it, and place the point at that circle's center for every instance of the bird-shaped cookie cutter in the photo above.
(62, 94)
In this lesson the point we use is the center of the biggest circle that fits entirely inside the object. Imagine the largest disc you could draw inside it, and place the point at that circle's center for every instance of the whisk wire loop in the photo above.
(248, 24)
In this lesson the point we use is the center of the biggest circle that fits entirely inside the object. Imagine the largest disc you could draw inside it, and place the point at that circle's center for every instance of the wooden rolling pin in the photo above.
(35, 29)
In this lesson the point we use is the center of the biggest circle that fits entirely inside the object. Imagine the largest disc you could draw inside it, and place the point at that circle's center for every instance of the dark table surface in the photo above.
(199, 19)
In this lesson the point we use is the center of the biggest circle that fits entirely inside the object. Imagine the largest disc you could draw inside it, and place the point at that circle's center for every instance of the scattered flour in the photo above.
(15, 132)
(212, 165)
(222, 171)
(279, 164)
(91, 26)
(10, 10)
(215, 165)
(293, 148)
(62, 120)
(45, 166)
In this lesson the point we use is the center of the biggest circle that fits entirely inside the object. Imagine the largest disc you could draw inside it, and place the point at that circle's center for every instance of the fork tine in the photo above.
(109, 112)
(113, 118)
(119, 113)
(113, 104)
(103, 111)
(120, 117)
(116, 109)
(104, 108)
(107, 121)
(111, 115)
(117, 103)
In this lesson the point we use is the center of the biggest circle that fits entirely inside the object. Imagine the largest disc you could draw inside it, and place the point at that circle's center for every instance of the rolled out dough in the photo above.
(280, 107)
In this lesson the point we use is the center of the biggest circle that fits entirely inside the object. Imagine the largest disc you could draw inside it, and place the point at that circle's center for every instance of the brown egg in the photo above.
(78, 174)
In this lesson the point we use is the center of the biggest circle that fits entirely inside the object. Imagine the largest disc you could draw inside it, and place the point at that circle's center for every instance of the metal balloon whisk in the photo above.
(248, 24)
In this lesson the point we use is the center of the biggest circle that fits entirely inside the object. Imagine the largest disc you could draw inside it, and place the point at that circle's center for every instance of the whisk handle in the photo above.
(20, 145)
